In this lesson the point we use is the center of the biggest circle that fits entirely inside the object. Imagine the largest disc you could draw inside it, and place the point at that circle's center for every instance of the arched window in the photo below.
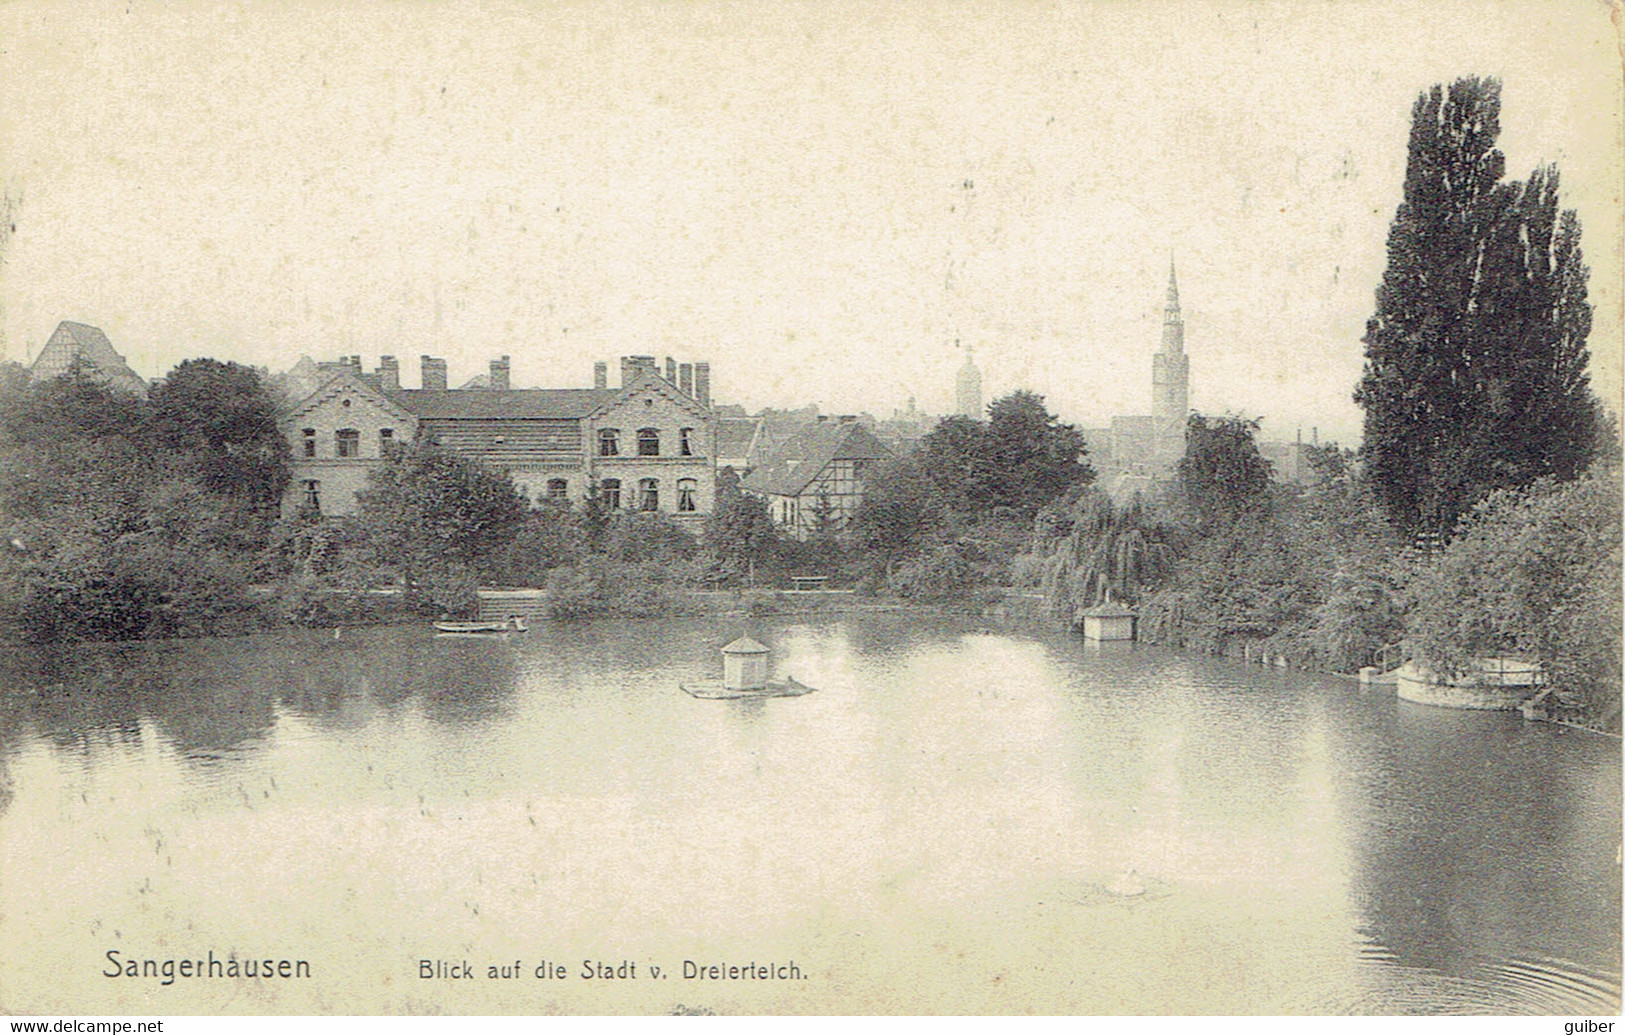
(310, 441)
(557, 489)
(649, 494)
(609, 493)
(685, 445)
(386, 438)
(313, 495)
(349, 440)
(648, 441)
(609, 442)
(686, 489)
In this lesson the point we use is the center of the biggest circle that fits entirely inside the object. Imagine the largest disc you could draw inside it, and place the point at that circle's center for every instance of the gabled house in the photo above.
(87, 348)
(654, 448)
(337, 434)
(814, 479)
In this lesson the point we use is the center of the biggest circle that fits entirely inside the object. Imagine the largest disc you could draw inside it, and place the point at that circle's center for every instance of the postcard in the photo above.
(749, 508)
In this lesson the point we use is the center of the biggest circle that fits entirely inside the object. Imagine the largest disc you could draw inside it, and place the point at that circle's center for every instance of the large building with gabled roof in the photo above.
(79, 345)
(645, 446)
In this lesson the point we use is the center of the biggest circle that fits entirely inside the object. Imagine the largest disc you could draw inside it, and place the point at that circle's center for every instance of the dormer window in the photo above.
(609, 442)
(648, 442)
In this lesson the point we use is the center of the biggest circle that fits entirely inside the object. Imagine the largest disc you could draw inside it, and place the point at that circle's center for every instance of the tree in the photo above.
(433, 517)
(1022, 458)
(221, 419)
(1534, 574)
(900, 505)
(1475, 357)
(739, 534)
(1035, 458)
(1222, 476)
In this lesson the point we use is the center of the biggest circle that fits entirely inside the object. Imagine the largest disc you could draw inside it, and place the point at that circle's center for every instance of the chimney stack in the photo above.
(702, 384)
(389, 374)
(685, 379)
(671, 370)
(632, 366)
(499, 375)
(600, 374)
(434, 374)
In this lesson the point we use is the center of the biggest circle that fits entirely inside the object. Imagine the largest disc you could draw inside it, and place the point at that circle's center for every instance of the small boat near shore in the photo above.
(513, 624)
(787, 687)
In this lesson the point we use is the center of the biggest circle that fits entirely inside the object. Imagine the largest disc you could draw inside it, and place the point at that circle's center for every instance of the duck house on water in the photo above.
(744, 674)
(744, 665)
(1108, 621)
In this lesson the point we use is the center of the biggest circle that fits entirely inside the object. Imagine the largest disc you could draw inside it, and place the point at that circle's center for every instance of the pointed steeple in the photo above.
(1173, 324)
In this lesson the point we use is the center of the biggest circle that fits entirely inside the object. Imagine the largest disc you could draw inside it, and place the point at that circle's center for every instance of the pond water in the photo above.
(959, 820)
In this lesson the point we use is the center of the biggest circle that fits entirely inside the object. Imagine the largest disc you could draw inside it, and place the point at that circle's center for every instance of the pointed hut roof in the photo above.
(744, 645)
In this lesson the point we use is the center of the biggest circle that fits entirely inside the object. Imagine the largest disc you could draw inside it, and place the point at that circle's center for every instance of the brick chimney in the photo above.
(632, 366)
(499, 375)
(600, 374)
(671, 370)
(685, 379)
(702, 384)
(434, 374)
(389, 373)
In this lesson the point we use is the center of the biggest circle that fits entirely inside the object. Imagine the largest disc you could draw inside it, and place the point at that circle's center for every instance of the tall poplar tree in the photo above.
(1475, 358)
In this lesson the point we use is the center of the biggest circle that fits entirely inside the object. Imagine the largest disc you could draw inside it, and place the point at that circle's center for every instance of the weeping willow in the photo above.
(1093, 548)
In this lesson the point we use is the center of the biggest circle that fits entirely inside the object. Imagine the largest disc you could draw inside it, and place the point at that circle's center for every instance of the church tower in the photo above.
(1170, 378)
(968, 389)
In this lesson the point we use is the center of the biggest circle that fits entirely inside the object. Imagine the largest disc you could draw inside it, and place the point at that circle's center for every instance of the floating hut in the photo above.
(744, 665)
(1108, 620)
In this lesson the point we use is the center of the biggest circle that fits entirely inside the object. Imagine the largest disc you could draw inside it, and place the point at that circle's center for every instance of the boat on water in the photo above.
(787, 687)
(513, 624)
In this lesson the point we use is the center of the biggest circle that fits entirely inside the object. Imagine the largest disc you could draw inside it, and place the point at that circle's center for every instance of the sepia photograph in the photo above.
(633, 508)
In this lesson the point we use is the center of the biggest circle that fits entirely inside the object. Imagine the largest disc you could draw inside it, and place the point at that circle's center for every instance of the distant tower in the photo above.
(968, 389)
(1171, 379)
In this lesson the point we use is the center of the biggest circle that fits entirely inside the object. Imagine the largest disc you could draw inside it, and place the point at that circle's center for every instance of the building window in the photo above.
(609, 491)
(648, 442)
(386, 438)
(310, 441)
(649, 494)
(557, 489)
(349, 440)
(685, 495)
(686, 443)
(609, 442)
(313, 498)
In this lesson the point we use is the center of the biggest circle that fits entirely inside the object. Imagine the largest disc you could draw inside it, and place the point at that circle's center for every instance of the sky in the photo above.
(820, 199)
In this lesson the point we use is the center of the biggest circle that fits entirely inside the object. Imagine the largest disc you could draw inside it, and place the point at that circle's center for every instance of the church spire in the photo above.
(1173, 324)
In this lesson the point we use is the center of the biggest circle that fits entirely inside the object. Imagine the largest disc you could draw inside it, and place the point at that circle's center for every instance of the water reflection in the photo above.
(954, 814)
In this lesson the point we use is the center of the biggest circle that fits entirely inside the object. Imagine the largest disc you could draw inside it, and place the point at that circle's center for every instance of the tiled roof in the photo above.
(794, 465)
(517, 404)
(734, 435)
(90, 346)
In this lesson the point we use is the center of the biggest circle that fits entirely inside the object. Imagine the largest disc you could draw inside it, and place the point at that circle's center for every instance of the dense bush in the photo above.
(132, 518)
(1534, 575)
